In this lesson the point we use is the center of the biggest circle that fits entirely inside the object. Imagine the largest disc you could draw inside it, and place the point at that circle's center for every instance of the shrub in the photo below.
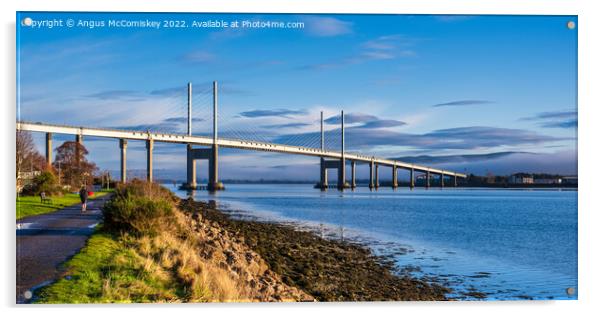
(140, 208)
(44, 182)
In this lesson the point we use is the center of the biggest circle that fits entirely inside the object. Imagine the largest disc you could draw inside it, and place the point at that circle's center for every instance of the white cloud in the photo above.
(326, 26)
(199, 57)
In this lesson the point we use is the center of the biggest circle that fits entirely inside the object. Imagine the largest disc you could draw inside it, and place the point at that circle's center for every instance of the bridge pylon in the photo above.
(342, 183)
(210, 154)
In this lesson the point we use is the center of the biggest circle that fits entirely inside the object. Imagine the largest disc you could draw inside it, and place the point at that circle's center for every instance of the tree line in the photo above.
(70, 169)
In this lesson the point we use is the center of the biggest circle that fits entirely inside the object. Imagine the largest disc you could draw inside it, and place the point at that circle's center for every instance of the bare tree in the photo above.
(28, 157)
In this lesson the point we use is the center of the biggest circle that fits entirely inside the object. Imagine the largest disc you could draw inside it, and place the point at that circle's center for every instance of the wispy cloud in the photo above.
(351, 118)
(126, 95)
(271, 113)
(424, 159)
(367, 121)
(382, 124)
(199, 57)
(572, 123)
(286, 125)
(171, 125)
(554, 119)
(470, 137)
(463, 103)
(326, 26)
(202, 88)
(182, 119)
(551, 115)
(386, 47)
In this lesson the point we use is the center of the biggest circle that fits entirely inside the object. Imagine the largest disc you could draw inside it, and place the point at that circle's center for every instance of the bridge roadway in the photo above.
(224, 142)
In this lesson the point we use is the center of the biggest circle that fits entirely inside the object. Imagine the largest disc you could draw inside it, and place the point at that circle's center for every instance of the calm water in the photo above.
(509, 244)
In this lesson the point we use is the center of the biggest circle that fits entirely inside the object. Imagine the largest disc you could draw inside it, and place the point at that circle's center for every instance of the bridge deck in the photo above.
(222, 142)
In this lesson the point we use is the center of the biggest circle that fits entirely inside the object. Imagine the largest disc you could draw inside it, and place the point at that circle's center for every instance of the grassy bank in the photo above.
(107, 271)
(154, 247)
(32, 205)
(150, 251)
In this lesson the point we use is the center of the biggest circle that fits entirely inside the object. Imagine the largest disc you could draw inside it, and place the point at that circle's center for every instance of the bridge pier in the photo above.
(376, 182)
(48, 150)
(323, 184)
(209, 154)
(190, 168)
(442, 178)
(394, 177)
(341, 183)
(324, 166)
(427, 180)
(371, 183)
(79, 139)
(353, 184)
(412, 178)
(455, 180)
(123, 145)
(214, 184)
(150, 144)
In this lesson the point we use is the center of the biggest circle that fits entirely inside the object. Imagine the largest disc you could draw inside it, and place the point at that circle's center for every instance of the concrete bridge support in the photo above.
(332, 164)
(353, 184)
(150, 144)
(427, 180)
(214, 184)
(324, 166)
(342, 184)
(376, 182)
(48, 150)
(209, 154)
(123, 145)
(394, 178)
(442, 178)
(371, 183)
(80, 140)
(190, 168)
(412, 178)
(455, 181)
(323, 175)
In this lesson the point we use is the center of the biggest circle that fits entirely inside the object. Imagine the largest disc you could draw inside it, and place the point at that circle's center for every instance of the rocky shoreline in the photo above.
(324, 269)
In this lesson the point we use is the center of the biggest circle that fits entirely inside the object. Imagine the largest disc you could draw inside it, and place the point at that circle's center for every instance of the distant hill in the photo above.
(424, 159)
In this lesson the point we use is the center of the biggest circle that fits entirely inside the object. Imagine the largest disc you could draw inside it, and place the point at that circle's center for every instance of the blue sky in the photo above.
(413, 86)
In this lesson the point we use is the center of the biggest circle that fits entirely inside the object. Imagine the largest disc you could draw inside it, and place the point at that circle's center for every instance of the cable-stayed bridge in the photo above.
(327, 145)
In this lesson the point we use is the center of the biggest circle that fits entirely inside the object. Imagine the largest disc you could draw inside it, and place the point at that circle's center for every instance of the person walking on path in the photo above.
(83, 196)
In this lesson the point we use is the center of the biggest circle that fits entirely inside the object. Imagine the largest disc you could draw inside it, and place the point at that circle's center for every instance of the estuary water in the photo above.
(508, 244)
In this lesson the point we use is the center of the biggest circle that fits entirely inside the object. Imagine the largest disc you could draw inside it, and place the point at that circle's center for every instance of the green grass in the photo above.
(106, 271)
(31, 205)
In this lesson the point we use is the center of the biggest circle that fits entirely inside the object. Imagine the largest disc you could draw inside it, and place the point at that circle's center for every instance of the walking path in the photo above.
(45, 241)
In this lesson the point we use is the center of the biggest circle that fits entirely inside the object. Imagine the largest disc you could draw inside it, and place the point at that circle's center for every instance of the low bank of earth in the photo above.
(220, 258)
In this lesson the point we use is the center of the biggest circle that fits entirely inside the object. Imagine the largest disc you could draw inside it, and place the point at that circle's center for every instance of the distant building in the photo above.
(570, 180)
(548, 181)
(521, 178)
